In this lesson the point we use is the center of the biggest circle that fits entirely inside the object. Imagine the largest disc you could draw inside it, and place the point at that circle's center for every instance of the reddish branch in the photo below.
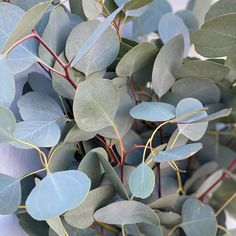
(65, 66)
(224, 176)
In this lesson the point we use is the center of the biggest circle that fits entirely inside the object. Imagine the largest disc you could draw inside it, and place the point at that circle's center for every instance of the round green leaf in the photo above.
(126, 212)
(103, 52)
(82, 216)
(92, 9)
(204, 90)
(57, 193)
(136, 59)
(170, 26)
(167, 61)
(193, 131)
(95, 104)
(198, 219)
(142, 181)
(178, 153)
(7, 125)
(153, 111)
(10, 194)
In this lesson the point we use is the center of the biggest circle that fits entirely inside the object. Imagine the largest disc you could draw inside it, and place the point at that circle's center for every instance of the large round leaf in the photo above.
(126, 212)
(153, 111)
(101, 55)
(170, 26)
(7, 125)
(95, 104)
(57, 193)
(10, 194)
(178, 153)
(142, 181)
(187, 127)
(7, 87)
(198, 219)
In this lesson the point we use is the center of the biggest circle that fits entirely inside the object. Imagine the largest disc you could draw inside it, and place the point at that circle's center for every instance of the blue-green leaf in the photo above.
(7, 125)
(178, 153)
(142, 181)
(198, 219)
(37, 106)
(57, 193)
(38, 133)
(170, 26)
(7, 86)
(10, 194)
(95, 36)
(189, 126)
(153, 111)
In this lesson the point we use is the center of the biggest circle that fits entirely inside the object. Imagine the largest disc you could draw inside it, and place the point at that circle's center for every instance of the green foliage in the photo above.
(114, 116)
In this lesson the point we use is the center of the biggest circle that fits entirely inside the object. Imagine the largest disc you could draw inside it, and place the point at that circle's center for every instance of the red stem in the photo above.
(224, 176)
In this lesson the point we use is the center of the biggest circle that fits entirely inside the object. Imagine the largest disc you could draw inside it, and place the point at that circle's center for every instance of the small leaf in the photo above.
(7, 87)
(94, 37)
(126, 212)
(7, 125)
(134, 4)
(142, 181)
(167, 61)
(62, 190)
(57, 226)
(38, 107)
(193, 131)
(176, 140)
(10, 194)
(178, 153)
(26, 24)
(95, 104)
(165, 202)
(204, 90)
(198, 219)
(82, 216)
(153, 111)
(92, 9)
(170, 26)
(136, 59)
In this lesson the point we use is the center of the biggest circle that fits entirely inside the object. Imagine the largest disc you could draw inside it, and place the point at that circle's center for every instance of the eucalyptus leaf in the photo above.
(27, 50)
(176, 140)
(168, 60)
(203, 70)
(82, 216)
(134, 4)
(10, 194)
(38, 133)
(55, 35)
(198, 219)
(170, 26)
(57, 226)
(35, 106)
(92, 9)
(153, 111)
(164, 202)
(97, 34)
(135, 59)
(95, 104)
(126, 212)
(62, 190)
(203, 90)
(178, 153)
(7, 87)
(27, 22)
(193, 131)
(189, 19)
(213, 39)
(142, 181)
(7, 125)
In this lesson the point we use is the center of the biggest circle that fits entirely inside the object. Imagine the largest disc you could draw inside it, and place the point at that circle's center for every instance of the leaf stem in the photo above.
(123, 230)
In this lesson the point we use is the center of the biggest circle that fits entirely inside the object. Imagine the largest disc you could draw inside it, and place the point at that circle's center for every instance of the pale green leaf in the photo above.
(92, 9)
